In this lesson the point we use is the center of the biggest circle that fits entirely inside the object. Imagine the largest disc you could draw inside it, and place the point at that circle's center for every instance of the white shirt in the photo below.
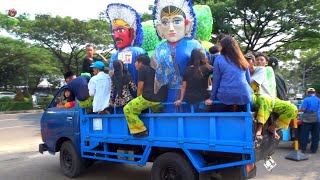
(267, 86)
(100, 88)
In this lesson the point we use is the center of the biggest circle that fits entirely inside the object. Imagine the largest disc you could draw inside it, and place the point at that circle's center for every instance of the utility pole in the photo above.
(304, 77)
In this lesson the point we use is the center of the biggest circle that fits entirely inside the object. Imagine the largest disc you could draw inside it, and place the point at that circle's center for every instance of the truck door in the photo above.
(58, 122)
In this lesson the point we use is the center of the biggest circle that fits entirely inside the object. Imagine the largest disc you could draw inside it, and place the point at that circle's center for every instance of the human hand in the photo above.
(177, 102)
(208, 102)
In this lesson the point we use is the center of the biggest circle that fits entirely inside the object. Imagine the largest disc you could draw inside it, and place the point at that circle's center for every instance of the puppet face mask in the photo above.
(123, 35)
(173, 25)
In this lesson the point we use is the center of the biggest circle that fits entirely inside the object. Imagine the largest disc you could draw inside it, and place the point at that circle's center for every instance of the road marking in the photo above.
(18, 126)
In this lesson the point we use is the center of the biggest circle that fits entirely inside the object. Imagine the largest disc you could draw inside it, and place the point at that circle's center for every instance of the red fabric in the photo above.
(69, 104)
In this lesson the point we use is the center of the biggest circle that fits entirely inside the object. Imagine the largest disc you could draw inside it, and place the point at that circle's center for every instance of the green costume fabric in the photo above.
(286, 110)
(86, 103)
(132, 111)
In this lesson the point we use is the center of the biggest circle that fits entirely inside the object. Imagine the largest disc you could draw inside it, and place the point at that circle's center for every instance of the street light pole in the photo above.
(304, 77)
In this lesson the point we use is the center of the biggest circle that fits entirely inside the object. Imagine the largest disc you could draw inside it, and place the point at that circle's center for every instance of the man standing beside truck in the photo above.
(310, 107)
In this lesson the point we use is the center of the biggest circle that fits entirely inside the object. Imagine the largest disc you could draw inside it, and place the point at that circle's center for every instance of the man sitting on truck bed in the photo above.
(79, 89)
(146, 97)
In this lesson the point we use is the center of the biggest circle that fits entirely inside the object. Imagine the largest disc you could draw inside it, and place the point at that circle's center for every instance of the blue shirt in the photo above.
(230, 83)
(128, 57)
(311, 104)
(79, 88)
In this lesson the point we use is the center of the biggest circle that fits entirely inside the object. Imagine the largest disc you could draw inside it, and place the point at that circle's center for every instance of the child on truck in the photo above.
(146, 97)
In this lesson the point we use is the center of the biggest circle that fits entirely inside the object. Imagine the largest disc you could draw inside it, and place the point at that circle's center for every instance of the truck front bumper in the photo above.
(42, 148)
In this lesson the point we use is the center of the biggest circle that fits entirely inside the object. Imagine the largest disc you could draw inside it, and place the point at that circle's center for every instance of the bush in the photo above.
(44, 101)
(5, 99)
(13, 106)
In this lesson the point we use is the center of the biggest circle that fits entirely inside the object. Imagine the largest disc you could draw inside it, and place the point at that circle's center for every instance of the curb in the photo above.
(21, 111)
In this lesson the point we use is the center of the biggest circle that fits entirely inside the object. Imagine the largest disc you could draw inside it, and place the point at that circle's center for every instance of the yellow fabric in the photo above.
(207, 45)
(132, 111)
(120, 22)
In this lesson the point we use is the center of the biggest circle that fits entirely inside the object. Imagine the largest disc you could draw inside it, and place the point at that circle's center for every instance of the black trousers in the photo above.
(306, 128)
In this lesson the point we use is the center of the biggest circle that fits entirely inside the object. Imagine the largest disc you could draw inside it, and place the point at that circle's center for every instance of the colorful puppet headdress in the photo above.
(126, 16)
(184, 5)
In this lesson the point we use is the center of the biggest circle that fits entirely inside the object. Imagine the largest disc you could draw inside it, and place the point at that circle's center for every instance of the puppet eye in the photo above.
(164, 22)
(176, 21)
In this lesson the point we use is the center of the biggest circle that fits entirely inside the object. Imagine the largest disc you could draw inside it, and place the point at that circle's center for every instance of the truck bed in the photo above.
(223, 132)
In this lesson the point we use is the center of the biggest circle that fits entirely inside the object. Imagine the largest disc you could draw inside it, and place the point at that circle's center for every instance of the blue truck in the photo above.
(182, 146)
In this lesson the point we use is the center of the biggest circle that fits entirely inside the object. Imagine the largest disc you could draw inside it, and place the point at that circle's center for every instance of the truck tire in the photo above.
(173, 166)
(70, 161)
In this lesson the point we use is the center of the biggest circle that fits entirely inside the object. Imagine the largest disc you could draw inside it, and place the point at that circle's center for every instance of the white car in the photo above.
(7, 94)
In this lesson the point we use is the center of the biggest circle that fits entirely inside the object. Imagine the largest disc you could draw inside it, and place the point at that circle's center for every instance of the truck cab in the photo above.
(186, 146)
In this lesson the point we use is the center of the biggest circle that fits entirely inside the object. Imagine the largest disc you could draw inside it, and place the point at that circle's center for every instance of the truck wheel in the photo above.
(173, 166)
(70, 161)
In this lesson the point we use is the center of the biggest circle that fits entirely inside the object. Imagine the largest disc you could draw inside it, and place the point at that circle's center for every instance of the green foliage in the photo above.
(5, 99)
(24, 63)
(44, 101)
(58, 34)
(15, 106)
(258, 24)
(7, 22)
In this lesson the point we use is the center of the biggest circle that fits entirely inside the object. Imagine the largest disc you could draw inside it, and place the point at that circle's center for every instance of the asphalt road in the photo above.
(19, 159)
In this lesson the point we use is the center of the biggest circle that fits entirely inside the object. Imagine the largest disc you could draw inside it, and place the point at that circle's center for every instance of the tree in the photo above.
(258, 24)
(64, 37)
(24, 64)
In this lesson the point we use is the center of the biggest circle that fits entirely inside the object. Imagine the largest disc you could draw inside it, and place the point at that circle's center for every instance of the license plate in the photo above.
(269, 163)
(97, 124)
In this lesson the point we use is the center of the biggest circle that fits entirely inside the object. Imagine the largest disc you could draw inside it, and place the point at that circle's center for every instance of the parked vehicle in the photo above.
(7, 94)
(185, 146)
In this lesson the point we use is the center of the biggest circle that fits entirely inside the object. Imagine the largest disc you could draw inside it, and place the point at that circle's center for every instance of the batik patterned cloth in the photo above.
(172, 61)
(132, 111)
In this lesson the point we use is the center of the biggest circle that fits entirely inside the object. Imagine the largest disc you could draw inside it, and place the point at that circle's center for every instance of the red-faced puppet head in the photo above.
(122, 33)
(12, 12)
(125, 25)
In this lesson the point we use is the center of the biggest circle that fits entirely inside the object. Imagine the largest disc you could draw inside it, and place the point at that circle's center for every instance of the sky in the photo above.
(81, 9)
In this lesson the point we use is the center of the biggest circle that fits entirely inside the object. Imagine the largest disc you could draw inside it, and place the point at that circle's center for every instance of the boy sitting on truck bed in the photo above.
(78, 87)
(146, 97)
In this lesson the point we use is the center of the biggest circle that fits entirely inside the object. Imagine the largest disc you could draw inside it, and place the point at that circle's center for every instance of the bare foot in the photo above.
(259, 132)
(273, 129)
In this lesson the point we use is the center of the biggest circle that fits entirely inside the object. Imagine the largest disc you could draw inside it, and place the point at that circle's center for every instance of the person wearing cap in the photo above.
(310, 123)
(99, 87)
(250, 58)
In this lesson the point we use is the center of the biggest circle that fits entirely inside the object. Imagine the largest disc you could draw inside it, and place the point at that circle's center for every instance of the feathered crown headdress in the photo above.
(184, 5)
(118, 11)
